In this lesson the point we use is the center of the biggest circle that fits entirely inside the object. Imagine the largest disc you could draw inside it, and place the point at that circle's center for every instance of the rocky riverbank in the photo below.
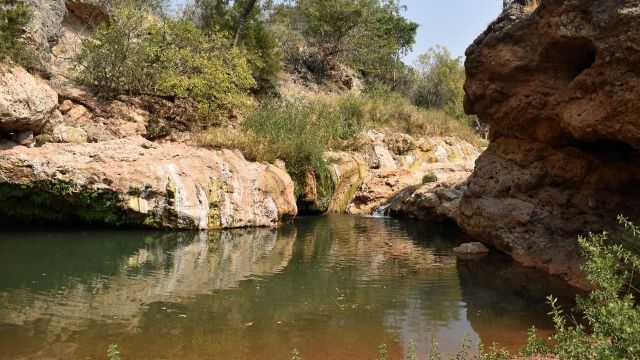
(68, 155)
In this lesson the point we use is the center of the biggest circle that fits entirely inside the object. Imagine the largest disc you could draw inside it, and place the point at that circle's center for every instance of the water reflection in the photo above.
(333, 287)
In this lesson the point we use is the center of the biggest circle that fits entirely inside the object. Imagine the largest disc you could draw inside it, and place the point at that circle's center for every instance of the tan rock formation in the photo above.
(398, 162)
(558, 84)
(471, 248)
(26, 103)
(348, 171)
(134, 181)
(435, 201)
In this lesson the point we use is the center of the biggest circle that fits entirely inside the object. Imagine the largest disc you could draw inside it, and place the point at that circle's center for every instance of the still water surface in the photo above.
(334, 287)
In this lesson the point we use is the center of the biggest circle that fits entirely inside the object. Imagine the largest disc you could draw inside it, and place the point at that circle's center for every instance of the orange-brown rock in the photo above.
(136, 182)
(559, 85)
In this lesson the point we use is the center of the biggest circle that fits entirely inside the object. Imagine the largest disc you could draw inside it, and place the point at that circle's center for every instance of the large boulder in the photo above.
(26, 103)
(133, 181)
(558, 82)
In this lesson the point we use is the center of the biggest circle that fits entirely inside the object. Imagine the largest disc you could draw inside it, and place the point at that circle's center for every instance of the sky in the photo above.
(451, 23)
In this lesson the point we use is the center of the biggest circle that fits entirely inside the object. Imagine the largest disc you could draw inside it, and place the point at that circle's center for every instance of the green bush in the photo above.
(118, 58)
(258, 42)
(203, 68)
(609, 327)
(535, 345)
(429, 178)
(14, 16)
(136, 54)
(113, 353)
(438, 82)
(367, 35)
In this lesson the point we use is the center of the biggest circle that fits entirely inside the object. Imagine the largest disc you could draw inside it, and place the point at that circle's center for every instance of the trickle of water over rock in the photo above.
(384, 210)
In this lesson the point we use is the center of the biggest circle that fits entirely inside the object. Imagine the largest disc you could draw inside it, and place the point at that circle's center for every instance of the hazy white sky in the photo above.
(452, 23)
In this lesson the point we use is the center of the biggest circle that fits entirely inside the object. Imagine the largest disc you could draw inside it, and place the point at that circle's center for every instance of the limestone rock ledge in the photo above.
(132, 181)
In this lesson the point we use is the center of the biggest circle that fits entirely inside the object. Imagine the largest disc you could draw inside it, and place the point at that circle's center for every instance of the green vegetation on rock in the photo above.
(138, 54)
(60, 202)
(14, 16)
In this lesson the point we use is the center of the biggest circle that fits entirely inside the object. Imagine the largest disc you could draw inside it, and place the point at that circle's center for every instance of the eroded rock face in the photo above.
(26, 103)
(558, 84)
(388, 165)
(398, 163)
(137, 182)
(44, 30)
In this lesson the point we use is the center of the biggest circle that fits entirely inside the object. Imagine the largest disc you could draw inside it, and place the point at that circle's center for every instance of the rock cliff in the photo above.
(558, 82)
(133, 181)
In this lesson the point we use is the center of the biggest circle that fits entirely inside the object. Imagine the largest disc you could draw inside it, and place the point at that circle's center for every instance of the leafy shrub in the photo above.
(203, 68)
(438, 83)
(113, 353)
(368, 35)
(295, 354)
(535, 345)
(118, 58)
(14, 16)
(258, 42)
(382, 352)
(429, 178)
(136, 54)
(610, 311)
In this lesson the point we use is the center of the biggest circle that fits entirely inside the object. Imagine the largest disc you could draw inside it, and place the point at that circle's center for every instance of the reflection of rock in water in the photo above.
(196, 264)
(379, 247)
(499, 292)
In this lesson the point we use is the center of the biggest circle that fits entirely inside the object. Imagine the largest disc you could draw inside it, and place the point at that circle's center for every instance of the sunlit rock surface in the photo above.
(390, 163)
(137, 182)
(26, 102)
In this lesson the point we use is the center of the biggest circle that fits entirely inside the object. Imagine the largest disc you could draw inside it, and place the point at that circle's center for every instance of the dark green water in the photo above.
(334, 287)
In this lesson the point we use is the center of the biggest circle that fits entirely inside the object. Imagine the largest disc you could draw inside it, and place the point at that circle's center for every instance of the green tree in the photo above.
(439, 82)
(203, 68)
(243, 22)
(117, 58)
(14, 16)
(368, 35)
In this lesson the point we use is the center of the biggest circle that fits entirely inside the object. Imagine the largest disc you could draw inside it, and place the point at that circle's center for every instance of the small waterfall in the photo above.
(381, 211)
(384, 209)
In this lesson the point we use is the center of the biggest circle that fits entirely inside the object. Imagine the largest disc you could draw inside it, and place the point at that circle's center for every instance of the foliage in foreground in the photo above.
(14, 16)
(113, 353)
(609, 322)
